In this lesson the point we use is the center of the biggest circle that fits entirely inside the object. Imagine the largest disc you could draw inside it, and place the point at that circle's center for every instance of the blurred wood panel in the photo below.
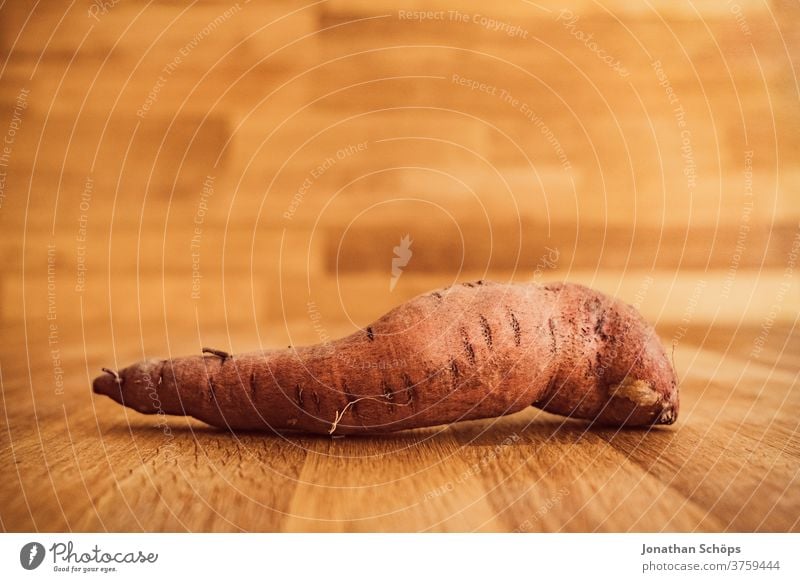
(238, 174)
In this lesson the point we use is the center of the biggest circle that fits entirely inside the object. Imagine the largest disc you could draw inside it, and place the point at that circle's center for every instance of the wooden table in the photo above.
(76, 462)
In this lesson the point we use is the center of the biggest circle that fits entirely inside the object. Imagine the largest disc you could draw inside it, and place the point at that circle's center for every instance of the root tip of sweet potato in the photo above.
(108, 384)
(638, 402)
(668, 416)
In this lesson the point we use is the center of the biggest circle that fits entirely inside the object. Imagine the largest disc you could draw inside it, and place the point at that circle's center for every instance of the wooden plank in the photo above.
(556, 475)
(399, 483)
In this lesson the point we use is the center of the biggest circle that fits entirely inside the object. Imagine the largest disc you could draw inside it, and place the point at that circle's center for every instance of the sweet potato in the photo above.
(475, 350)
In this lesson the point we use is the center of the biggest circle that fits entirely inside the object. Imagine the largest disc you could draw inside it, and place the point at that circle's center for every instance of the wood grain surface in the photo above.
(730, 464)
(238, 175)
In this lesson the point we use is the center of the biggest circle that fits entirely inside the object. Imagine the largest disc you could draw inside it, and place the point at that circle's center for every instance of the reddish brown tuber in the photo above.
(475, 350)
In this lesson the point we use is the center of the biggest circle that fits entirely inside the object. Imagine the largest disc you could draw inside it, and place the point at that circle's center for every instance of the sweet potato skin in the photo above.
(475, 350)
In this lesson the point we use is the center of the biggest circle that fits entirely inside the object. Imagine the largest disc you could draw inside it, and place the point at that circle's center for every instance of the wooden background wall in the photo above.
(237, 174)
(267, 92)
